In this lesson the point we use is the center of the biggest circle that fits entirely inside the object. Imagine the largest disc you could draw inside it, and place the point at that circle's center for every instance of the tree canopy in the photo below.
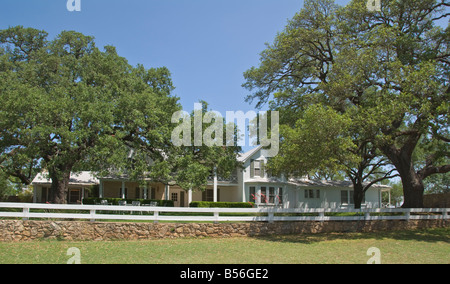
(68, 106)
(386, 71)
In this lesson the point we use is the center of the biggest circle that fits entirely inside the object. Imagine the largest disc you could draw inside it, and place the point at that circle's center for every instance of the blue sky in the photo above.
(206, 44)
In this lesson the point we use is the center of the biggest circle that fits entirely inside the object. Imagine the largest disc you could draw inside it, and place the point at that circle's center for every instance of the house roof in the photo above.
(302, 182)
(247, 155)
(80, 178)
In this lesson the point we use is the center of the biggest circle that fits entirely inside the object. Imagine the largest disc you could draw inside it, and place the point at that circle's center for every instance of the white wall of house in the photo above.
(253, 184)
(294, 196)
(314, 197)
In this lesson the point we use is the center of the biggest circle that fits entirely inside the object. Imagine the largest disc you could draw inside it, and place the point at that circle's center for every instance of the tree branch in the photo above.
(431, 170)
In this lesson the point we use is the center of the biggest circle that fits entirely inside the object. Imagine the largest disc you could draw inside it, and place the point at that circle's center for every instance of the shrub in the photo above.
(115, 201)
(207, 204)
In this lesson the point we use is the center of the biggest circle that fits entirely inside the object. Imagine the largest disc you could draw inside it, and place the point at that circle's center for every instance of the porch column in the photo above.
(380, 204)
(389, 191)
(123, 190)
(100, 189)
(189, 196)
(166, 192)
(145, 191)
(34, 193)
(215, 184)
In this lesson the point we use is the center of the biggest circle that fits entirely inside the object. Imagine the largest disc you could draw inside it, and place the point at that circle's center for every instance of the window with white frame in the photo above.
(174, 196)
(208, 195)
(312, 193)
(252, 195)
(347, 197)
(153, 193)
(137, 192)
(271, 195)
(280, 196)
(257, 168)
(263, 195)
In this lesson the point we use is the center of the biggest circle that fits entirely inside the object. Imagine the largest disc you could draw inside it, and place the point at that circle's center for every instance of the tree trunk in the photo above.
(358, 194)
(413, 188)
(60, 187)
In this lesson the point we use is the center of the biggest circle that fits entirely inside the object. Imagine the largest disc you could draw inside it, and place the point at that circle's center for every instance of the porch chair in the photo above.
(136, 203)
(122, 203)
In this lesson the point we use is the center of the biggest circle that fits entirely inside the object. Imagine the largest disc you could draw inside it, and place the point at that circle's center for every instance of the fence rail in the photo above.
(147, 213)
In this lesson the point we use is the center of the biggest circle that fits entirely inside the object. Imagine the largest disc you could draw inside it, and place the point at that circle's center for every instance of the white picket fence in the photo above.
(147, 213)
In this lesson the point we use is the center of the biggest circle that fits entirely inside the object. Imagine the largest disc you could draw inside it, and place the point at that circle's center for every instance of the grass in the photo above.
(409, 247)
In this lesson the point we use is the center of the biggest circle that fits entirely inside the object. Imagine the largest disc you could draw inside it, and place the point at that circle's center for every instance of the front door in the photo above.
(174, 198)
(181, 198)
(74, 196)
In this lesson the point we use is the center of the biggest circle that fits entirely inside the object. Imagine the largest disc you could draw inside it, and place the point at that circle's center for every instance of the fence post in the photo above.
(156, 214)
(322, 215)
(216, 217)
(408, 214)
(92, 215)
(26, 212)
(366, 215)
(444, 214)
(271, 217)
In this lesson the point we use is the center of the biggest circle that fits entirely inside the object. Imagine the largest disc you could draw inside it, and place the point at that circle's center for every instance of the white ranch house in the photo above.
(251, 184)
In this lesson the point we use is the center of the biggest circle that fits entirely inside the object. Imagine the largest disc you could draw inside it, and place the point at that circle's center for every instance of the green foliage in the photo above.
(6, 187)
(191, 166)
(69, 106)
(115, 201)
(319, 140)
(388, 72)
(207, 204)
(437, 184)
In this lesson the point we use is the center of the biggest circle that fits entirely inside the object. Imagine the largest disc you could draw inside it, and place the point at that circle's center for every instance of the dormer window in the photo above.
(257, 168)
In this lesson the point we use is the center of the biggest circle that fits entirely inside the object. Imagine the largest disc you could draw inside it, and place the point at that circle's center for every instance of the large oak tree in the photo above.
(68, 106)
(388, 71)
(64, 102)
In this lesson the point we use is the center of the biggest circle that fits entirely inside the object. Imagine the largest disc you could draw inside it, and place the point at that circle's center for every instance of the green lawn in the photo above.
(423, 246)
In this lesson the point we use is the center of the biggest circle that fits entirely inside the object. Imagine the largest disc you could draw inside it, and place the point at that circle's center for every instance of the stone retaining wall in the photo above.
(18, 230)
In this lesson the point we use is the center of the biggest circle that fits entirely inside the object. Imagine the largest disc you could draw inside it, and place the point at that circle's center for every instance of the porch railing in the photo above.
(28, 211)
(231, 179)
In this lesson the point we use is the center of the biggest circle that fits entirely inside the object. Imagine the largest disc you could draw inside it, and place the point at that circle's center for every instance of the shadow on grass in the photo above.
(425, 235)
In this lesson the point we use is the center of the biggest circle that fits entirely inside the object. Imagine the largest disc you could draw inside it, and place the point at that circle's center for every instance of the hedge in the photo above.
(207, 204)
(115, 201)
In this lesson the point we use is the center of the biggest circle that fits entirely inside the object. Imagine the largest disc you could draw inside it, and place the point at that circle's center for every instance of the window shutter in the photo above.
(252, 168)
(262, 166)
(252, 194)
(152, 193)
(344, 197)
(204, 195)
